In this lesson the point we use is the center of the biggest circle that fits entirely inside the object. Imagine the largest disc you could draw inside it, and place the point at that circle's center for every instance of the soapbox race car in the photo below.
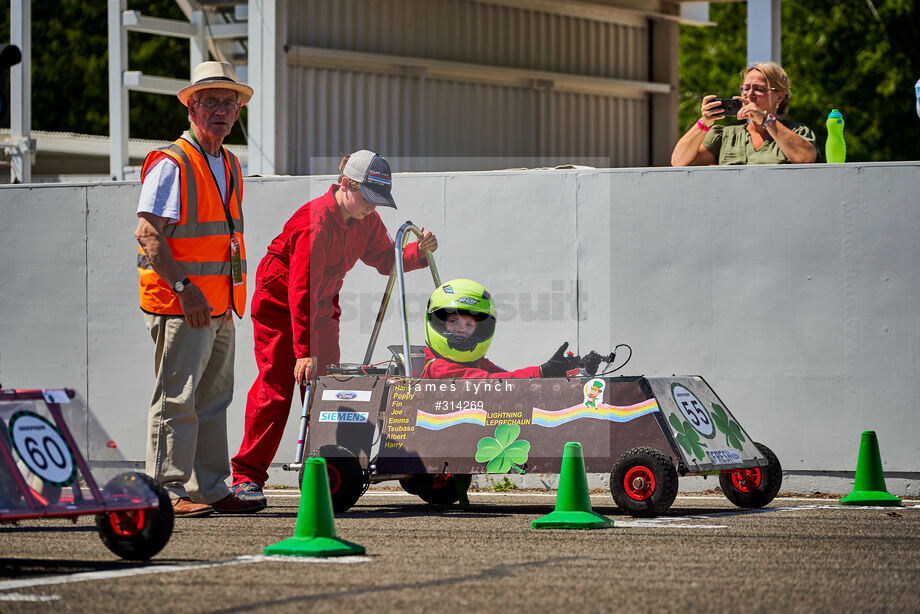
(373, 424)
(46, 437)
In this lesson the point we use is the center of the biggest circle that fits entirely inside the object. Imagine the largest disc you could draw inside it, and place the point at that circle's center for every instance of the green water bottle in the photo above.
(836, 148)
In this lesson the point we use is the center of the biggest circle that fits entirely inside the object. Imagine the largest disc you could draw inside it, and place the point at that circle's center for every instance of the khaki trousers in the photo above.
(187, 422)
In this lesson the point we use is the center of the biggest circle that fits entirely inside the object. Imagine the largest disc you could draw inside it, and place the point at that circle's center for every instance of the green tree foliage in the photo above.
(859, 56)
(70, 78)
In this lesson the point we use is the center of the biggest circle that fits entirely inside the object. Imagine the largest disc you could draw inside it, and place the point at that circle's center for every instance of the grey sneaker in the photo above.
(248, 491)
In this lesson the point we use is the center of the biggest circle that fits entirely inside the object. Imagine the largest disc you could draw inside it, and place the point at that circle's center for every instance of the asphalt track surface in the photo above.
(704, 556)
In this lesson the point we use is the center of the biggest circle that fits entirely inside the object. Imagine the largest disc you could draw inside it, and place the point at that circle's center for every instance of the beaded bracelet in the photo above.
(702, 126)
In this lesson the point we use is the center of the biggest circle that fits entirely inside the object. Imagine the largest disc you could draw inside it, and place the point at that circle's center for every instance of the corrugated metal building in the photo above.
(432, 84)
(462, 84)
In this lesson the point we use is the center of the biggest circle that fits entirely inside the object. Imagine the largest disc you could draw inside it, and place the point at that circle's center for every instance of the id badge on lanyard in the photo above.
(236, 261)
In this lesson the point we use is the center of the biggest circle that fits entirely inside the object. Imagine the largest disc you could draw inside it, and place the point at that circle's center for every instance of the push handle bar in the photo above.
(398, 273)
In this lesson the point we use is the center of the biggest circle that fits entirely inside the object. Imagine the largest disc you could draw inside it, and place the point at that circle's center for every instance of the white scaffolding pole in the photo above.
(122, 80)
(21, 146)
(118, 97)
(262, 21)
(198, 44)
(764, 30)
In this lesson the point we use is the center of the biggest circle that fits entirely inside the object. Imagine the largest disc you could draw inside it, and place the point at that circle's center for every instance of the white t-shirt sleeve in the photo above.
(160, 192)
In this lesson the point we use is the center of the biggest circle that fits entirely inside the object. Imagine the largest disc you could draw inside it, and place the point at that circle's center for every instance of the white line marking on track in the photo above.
(24, 597)
(644, 524)
(290, 493)
(157, 569)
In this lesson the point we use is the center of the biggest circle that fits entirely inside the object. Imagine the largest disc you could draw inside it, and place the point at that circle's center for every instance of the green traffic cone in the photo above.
(573, 504)
(314, 534)
(869, 487)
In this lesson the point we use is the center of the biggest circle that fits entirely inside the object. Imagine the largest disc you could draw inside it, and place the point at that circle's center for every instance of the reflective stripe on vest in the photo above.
(200, 241)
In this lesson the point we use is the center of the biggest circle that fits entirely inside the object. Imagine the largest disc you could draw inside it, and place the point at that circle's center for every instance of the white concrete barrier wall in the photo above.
(793, 290)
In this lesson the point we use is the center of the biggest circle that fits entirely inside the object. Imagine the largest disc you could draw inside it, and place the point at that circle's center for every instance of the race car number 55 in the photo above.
(693, 411)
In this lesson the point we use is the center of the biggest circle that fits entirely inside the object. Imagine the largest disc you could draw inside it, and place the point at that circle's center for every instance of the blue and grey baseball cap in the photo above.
(372, 172)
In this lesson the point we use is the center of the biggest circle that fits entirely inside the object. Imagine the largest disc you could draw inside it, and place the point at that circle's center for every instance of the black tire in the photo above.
(753, 488)
(643, 482)
(136, 535)
(347, 481)
(437, 489)
(414, 483)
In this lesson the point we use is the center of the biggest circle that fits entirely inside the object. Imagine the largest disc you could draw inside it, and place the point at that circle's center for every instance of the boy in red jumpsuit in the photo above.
(459, 326)
(295, 307)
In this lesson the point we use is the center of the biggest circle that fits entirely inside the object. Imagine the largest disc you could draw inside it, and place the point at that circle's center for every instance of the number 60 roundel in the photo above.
(42, 448)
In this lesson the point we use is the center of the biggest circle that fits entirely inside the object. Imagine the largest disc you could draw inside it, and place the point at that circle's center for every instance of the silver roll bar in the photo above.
(402, 238)
(303, 427)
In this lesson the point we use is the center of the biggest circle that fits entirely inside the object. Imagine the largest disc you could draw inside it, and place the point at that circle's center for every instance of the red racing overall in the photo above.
(295, 313)
(437, 367)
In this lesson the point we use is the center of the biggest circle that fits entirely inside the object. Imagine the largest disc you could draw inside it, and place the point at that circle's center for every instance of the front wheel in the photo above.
(754, 487)
(136, 535)
(347, 481)
(437, 489)
(643, 482)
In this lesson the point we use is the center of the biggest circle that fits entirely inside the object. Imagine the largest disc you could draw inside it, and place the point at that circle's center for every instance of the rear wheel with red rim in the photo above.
(347, 481)
(643, 482)
(755, 486)
(138, 534)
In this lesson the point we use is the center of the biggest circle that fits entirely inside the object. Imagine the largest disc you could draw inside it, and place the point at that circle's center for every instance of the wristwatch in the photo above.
(180, 285)
(768, 119)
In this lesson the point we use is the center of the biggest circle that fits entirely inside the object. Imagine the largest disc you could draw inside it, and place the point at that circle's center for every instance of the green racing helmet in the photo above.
(463, 296)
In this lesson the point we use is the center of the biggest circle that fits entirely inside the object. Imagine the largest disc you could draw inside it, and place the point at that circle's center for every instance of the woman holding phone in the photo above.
(763, 139)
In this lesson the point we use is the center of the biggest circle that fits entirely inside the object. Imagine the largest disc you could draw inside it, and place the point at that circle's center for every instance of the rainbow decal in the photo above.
(436, 422)
(612, 413)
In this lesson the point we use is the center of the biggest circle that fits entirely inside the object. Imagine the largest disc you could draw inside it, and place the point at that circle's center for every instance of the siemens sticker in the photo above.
(358, 396)
(343, 416)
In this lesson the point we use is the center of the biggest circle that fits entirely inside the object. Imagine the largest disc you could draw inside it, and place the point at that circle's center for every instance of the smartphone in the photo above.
(731, 106)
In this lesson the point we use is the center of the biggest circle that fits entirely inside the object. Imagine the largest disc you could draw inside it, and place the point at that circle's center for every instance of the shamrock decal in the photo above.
(502, 452)
(733, 435)
(687, 437)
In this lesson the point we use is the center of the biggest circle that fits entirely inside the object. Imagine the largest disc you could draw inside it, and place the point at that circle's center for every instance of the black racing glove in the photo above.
(559, 363)
(591, 361)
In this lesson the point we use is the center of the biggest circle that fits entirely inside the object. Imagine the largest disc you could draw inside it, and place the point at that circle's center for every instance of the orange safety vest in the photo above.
(200, 241)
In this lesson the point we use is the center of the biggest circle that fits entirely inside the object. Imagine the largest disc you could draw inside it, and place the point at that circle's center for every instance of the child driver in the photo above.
(459, 326)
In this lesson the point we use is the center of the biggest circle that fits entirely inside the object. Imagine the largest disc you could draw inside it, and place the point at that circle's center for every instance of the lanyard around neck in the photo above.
(228, 171)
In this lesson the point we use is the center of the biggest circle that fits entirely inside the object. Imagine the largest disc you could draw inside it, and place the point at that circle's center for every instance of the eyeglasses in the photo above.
(757, 89)
(212, 104)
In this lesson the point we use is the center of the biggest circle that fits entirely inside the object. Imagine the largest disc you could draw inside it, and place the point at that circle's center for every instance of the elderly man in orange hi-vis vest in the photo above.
(192, 268)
